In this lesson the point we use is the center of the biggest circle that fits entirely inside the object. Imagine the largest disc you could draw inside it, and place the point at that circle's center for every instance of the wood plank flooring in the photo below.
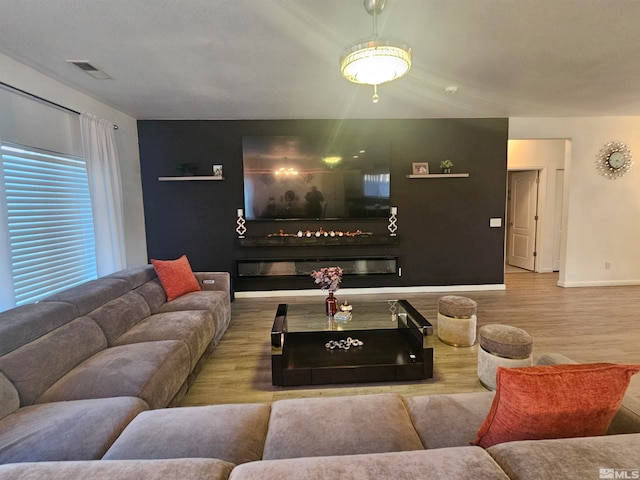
(593, 324)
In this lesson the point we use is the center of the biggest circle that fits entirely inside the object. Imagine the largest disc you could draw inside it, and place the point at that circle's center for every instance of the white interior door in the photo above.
(523, 202)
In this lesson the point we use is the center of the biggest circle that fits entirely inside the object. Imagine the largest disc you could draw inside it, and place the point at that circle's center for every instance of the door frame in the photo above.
(547, 155)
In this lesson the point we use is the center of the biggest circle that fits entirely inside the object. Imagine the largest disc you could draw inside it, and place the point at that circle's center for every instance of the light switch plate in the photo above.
(495, 222)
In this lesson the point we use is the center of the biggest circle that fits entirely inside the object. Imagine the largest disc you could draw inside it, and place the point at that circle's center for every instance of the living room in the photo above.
(445, 239)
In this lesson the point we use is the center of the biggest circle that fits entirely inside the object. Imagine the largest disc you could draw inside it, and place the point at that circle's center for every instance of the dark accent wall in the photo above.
(444, 236)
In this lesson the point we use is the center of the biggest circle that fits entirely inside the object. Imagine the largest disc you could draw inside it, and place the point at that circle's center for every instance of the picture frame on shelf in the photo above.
(217, 170)
(420, 168)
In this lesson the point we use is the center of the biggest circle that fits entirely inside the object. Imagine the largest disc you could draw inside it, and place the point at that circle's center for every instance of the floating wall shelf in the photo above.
(440, 175)
(188, 178)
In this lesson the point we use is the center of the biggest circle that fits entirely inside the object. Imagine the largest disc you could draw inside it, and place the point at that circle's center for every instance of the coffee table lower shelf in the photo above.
(387, 355)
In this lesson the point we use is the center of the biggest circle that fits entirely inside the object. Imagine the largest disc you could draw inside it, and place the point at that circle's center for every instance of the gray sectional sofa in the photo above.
(78, 366)
(377, 436)
(82, 390)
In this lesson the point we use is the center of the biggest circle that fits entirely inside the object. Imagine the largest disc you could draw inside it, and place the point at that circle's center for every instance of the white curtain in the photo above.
(98, 141)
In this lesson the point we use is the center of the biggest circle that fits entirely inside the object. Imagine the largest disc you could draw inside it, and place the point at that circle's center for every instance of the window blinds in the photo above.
(49, 221)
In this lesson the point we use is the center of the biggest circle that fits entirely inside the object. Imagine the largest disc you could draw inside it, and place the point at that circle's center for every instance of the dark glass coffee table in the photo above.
(393, 335)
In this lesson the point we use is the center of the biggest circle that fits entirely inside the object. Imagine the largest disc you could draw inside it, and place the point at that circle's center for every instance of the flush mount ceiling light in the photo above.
(331, 161)
(375, 61)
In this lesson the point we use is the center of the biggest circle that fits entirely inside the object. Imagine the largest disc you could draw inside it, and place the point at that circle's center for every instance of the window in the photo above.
(49, 223)
(376, 185)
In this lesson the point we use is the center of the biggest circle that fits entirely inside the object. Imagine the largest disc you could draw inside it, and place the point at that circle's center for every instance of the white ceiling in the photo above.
(243, 59)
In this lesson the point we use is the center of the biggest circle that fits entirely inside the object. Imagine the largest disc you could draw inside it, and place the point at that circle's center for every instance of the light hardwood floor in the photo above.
(593, 324)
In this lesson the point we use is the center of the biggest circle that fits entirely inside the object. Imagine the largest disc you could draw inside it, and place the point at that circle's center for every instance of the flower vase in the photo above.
(331, 304)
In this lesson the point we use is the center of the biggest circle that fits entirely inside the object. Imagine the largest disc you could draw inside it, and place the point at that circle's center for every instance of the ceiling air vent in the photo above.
(86, 67)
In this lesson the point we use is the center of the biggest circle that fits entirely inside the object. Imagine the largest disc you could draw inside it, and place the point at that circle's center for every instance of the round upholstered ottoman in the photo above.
(457, 320)
(502, 346)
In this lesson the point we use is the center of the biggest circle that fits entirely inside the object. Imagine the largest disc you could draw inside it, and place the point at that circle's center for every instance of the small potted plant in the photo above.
(329, 278)
(187, 168)
(446, 165)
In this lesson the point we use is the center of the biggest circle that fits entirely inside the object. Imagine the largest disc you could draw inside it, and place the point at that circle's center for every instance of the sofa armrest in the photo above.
(627, 419)
(553, 359)
(216, 281)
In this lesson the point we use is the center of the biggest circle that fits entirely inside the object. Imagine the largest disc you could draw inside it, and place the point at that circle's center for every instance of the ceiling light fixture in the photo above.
(375, 61)
(331, 161)
(286, 171)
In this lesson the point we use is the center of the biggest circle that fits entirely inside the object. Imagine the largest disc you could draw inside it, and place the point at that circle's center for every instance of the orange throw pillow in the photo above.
(176, 277)
(554, 401)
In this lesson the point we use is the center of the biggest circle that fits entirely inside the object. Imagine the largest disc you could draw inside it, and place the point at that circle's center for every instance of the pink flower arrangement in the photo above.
(328, 278)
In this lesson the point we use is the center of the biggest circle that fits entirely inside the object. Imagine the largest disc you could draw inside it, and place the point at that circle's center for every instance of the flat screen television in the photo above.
(295, 177)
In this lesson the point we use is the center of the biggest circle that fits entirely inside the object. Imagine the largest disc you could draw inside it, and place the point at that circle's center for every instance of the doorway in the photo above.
(547, 158)
(522, 219)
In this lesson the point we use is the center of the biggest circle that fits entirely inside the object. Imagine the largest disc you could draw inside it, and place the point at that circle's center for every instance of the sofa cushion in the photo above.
(21, 325)
(311, 427)
(9, 398)
(176, 277)
(78, 430)
(176, 469)
(90, 295)
(39, 364)
(235, 433)
(202, 300)
(554, 401)
(136, 276)
(448, 420)
(152, 371)
(462, 463)
(119, 315)
(153, 293)
(194, 327)
(587, 457)
(627, 418)
(214, 301)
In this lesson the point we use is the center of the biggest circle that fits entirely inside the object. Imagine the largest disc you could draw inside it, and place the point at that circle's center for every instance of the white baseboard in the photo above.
(373, 290)
(545, 270)
(600, 283)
